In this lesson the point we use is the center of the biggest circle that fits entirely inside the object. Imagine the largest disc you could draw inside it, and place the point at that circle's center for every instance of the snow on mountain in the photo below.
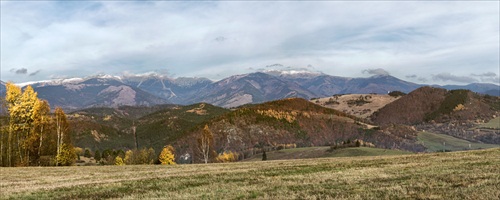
(293, 73)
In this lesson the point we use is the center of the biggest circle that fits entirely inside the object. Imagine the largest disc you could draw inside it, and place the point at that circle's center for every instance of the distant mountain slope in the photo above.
(250, 88)
(294, 122)
(234, 91)
(94, 92)
(483, 88)
(381, 84)
(177, 90)
(323, 85)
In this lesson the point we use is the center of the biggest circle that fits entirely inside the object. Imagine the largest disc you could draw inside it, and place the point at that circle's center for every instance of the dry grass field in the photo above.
(373, 102)
(456, 175)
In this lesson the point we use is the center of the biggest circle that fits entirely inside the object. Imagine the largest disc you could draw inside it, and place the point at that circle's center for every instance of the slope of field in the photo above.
(323, 152)
(455, 175)
(492, 124)
(359, 105)
(440, 142)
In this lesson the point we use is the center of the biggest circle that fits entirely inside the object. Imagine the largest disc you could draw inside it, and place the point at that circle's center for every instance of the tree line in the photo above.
(30, 134)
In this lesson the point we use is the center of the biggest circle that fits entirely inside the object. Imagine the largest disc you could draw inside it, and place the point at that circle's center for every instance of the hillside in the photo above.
(166, 126)
(440, 142)
(103, 128)
(359, 105)
(428, 104)
(455, 112)
(253, 128)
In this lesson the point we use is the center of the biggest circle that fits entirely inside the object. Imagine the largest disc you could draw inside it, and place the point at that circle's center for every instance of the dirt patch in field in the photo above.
(199, 110)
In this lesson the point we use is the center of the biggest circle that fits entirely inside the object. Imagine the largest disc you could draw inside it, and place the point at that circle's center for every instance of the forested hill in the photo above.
(296, 122)
(428, 104)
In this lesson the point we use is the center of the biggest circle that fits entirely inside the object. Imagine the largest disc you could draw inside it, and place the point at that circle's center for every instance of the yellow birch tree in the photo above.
(167, 156)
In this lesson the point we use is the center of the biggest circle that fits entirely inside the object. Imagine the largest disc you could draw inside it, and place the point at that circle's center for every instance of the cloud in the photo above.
(423, 80)
(378, 71)
(34, 73)
(224, 38)
(415, 77)
(488, 77)
(487, 74)
(445, 77)
(19, 71)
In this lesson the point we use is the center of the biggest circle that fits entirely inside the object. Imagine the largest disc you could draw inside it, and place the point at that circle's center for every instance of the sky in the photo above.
(444, 42)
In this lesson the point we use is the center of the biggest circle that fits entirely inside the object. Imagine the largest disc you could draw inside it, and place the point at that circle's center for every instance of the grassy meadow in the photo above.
(492, 124)
(454, 175)
(434, 143)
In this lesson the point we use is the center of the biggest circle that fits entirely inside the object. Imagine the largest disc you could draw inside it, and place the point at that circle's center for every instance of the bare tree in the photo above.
(205, 143)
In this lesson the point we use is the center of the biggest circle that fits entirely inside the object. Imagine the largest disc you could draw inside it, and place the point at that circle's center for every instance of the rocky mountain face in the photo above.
(233, 91)
(250, 88)
(176, 91)
(94, 92)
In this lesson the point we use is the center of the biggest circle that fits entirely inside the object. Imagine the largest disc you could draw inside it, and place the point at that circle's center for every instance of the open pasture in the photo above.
(455, 175)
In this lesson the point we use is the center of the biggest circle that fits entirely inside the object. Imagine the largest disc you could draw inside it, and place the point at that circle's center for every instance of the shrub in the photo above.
(396, 93)
(227, 157)
(119, 161)
(67, 156)
(87, 153)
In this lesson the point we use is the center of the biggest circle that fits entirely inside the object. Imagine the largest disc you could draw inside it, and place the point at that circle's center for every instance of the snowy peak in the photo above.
(293, 73)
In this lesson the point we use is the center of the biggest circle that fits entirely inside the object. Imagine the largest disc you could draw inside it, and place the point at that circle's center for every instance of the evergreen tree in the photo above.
(264, 156)
(87, 153)
(97, 155)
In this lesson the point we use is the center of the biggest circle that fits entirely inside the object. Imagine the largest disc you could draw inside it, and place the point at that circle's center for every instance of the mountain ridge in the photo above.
(233, 91)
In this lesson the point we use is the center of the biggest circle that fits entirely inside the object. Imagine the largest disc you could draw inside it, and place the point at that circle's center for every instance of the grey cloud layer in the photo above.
(217, 39)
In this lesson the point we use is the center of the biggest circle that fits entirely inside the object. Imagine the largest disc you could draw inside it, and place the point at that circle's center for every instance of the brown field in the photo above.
(456, 175)
(374, 102)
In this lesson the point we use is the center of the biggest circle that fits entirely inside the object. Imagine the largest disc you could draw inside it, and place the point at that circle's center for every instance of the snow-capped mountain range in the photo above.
(153, 88)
